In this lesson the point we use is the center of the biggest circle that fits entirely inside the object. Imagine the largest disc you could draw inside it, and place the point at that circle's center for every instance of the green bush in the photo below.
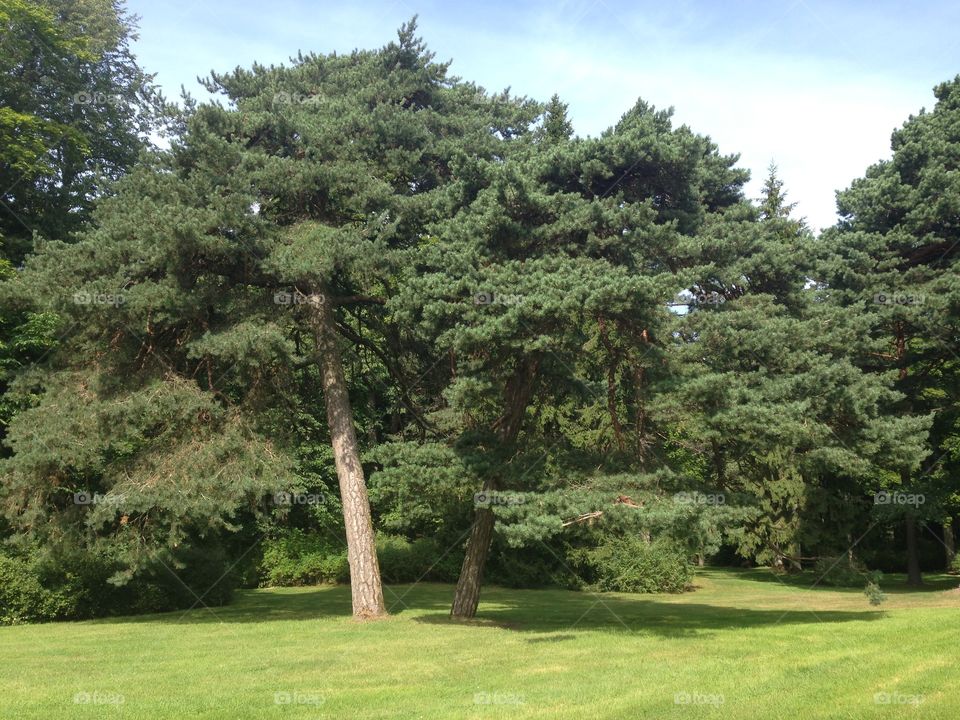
(193, 577)
(630, 564)
(403, 561)
(24, 598)
(534, 566)
(842, 571)
(78, 585)
(300, 558)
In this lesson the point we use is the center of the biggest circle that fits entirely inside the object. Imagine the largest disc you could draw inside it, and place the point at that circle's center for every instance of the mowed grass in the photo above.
(744, 644)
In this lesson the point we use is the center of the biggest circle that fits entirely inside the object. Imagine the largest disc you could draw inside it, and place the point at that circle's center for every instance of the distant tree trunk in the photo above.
(796, 564)
(467, 596)
(913, 557)
(700, 561)
(950, 542)
(365, 586)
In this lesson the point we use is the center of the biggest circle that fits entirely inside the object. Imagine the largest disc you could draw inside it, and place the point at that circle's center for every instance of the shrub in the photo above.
(529, 567)
(300, 558)
(841, 571)
(77, 585)
(403, 561)
(844, 571)
(24, 598)
(630, 564)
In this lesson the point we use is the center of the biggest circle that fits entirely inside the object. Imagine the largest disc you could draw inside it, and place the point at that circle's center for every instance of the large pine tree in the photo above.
(893, 260)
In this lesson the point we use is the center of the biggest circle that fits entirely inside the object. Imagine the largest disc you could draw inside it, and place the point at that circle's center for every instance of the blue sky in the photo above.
(816, 87)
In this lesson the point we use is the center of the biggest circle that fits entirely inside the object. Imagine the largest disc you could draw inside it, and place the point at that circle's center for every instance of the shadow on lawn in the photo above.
(535, 611)
(642, 615)
(893, 583)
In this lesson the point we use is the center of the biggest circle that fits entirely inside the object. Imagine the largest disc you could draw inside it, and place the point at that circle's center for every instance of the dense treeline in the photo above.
(365, 319)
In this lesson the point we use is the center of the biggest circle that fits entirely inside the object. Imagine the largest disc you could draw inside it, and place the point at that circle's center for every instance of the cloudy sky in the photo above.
(814, 86)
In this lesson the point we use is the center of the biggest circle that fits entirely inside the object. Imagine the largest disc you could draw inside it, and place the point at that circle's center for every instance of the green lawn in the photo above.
(744, 644)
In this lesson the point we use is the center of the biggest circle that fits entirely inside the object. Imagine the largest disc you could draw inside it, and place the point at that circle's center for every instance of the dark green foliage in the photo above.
(406, 561)
(843, 572)
(893, 262)
(632, 564)
(79, 585)
(24, 598)
(74, 112)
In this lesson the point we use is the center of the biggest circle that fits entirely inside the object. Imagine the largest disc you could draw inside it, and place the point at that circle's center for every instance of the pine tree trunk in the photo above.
(950, 542)
(466, 599)
(365, 586)
(913, 558)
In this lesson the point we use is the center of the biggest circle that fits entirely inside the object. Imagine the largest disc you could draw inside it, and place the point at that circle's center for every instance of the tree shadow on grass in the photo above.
(520, 611)
(302, 603)
(534, 611)
(892, 583)
(554, 614)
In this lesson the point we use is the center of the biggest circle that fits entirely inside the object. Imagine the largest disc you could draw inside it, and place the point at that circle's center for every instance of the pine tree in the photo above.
(561, 236)
(893, 260)
(252, 260)
(764, 386)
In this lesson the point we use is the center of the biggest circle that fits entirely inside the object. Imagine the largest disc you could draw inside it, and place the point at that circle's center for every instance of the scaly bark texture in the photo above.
(467, 596)
(365, 585)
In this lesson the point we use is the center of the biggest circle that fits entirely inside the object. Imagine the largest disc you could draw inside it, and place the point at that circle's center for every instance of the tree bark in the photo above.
(466, 599)
(950, 542)
(365, 586)
(913, 557)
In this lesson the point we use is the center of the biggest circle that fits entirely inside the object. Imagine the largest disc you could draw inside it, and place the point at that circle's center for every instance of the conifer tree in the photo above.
(892, 260)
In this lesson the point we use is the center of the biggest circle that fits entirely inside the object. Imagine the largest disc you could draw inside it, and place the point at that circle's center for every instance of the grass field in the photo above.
(744, 644)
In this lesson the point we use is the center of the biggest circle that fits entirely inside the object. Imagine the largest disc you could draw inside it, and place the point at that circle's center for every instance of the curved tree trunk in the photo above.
(467, 596)
(365, 587)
